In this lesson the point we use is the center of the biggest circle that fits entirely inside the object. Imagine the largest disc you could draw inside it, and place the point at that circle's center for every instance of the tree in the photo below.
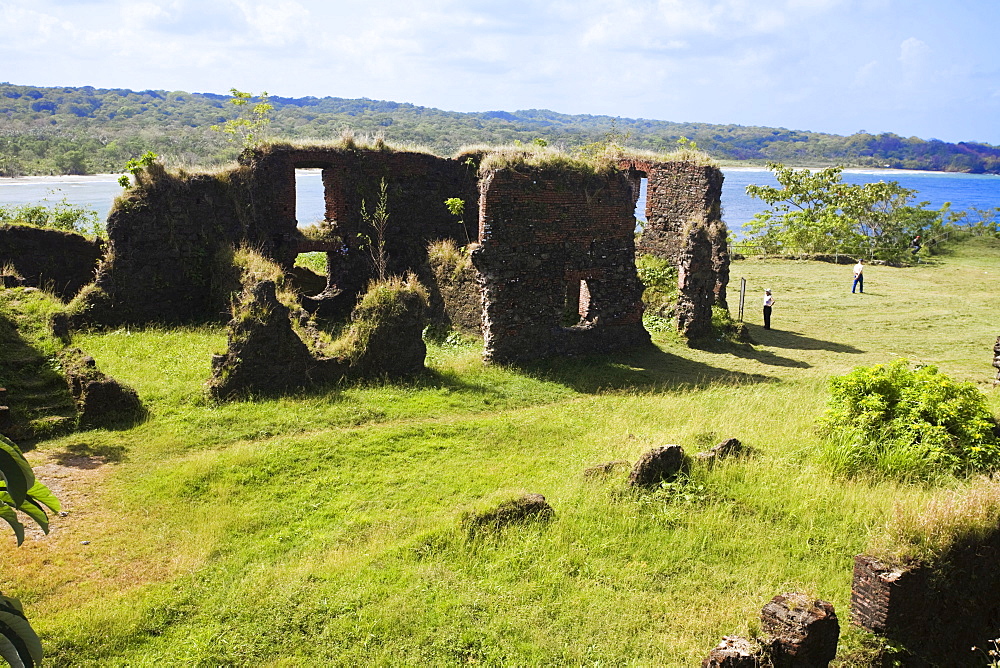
(804, 212)
(20, 492)
(819, 213)
(250, 130)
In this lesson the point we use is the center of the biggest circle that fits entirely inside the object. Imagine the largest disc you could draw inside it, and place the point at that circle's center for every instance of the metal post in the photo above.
(743, 295)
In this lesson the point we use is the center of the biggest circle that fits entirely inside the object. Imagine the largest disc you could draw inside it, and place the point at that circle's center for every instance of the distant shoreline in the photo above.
(91, 178)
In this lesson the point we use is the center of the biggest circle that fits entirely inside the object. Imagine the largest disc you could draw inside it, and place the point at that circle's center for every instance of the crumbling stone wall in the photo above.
(417, 186)
(170, 241)
(265, 356)
(552, 241)
(696, 282)
(44, 258)
(560, 242)
(683, 213)
(677, 193)
(937, 613)
(170, 235)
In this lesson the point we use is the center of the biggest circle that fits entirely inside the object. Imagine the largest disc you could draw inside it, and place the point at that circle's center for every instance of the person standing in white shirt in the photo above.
(859, 277)
(768, 303)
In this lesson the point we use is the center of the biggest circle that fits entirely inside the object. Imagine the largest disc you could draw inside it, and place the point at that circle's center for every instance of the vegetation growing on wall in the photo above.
(926, 533)
(382, 306)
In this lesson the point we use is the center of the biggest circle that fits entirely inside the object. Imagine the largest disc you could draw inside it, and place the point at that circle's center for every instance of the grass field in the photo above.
(323, 529)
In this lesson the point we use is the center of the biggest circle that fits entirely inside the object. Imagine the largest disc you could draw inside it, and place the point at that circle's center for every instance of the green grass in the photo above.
(323, 528)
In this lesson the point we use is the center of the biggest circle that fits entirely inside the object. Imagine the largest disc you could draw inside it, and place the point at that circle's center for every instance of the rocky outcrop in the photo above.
(798, 632)
(804, 632)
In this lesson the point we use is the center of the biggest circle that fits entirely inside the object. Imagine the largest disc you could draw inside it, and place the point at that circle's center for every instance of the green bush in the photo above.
(910, 423)
(660, 295)
(59, 216)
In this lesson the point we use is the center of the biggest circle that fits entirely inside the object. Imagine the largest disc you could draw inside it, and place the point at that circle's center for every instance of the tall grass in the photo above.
(324, 528)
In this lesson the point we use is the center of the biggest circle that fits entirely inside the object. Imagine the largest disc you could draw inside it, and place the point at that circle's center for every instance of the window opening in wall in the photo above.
(640, 205)
(577, 303)
(309, 277)
(310, 203)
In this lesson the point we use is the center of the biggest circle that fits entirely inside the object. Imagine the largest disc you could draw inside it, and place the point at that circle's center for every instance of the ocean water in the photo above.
(964, 191)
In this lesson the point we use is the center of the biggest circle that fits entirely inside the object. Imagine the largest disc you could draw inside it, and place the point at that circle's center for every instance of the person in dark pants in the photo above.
(859, 277)
(768, 303)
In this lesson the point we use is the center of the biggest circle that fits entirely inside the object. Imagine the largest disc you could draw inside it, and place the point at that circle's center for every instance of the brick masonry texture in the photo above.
(556, 263)
(684, 225)
(937, 613)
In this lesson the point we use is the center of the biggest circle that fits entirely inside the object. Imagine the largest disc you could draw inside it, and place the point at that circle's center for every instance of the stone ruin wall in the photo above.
(169, 248)
(935, 613)
(170, 235)
(553, 241)
(417, 185)
(549, 238)
(682, 198)
(63, 261)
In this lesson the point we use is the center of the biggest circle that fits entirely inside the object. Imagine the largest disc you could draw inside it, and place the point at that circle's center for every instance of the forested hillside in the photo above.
(91, 130)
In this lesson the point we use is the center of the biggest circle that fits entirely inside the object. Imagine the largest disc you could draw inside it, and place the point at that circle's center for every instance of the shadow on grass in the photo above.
(644, 368)
(40, 402)
(778, 338)
(86, 456)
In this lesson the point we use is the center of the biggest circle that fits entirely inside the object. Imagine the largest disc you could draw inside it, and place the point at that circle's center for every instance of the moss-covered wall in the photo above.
(170, 239)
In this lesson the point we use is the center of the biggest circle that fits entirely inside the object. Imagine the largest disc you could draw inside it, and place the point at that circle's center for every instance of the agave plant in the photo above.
(19, 491)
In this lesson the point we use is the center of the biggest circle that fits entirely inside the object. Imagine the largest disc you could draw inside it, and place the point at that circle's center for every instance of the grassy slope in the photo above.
(321, 529)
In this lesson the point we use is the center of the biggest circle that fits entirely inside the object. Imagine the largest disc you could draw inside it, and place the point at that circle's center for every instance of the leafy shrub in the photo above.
(59, 216)
(726, 328)
(19, 491)
(660, 295)
(910, 423)
(659, 277)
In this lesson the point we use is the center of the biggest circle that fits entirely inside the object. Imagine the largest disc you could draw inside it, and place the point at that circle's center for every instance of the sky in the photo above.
(924, 68)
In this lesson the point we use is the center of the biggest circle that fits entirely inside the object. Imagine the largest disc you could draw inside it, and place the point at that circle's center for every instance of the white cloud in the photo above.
(913, 52)
(278, 23)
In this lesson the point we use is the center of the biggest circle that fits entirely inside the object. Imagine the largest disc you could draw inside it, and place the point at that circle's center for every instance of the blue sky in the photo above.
(926, 68)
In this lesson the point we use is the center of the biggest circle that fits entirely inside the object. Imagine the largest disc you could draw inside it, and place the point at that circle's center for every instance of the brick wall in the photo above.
(544, 233)
(936, 613)
(417, 185)
(170, 234)
(684, 225)
(169, 241)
